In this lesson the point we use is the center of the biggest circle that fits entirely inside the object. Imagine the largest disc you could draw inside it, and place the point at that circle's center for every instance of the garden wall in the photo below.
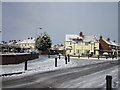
(15, 59)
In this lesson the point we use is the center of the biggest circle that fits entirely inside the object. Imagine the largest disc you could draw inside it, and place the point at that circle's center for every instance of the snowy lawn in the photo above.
(43, 63)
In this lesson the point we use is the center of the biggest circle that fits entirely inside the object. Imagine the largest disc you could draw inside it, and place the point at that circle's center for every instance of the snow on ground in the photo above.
(43, 63)
(95, 80)
(13, 53)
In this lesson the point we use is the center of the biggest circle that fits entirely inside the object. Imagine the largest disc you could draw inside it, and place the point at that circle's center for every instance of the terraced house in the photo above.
(108, 46)
(28, 43)
(81, 44)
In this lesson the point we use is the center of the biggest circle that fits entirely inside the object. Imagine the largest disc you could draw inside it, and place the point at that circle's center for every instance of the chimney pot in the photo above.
(108, 39)
(100, 37)
(81, 34)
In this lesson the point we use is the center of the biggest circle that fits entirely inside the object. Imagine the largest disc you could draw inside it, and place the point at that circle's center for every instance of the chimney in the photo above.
(108, 39)
(31, 37)
(114, 41)
(9, 41)
(100, 37)
(28, 38)
(81, 34)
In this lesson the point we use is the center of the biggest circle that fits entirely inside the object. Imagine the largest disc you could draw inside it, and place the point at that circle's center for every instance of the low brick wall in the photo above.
(15, 59)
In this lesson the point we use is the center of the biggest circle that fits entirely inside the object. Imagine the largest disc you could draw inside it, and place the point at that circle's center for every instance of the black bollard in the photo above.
(78, 56)
(88, 56)
(108, 82)
(55, 62)
(106, 57)
(48, 55)
(98, 57)
(26, 65)
(65, 59)
(59, 56)
(68, 58)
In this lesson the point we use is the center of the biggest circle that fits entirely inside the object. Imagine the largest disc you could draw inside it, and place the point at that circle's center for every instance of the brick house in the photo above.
(108, 46)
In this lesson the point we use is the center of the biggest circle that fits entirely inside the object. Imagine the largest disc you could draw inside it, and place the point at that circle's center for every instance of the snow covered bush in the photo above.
(43, 42)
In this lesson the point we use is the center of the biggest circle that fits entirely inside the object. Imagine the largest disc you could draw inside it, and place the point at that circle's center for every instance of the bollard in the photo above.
(26, 65)
(68, 58)
(55, 62)
(98, 56)
(78, 56)
(88, 56)
(48, 55)
(106, 57)
(59, 56)
(108, 82)
(65, 59)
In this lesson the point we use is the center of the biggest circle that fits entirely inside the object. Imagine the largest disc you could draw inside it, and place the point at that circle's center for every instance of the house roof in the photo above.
(85, 38)
(69, 37)
(91, 38)
(110, 42)
(27, 41)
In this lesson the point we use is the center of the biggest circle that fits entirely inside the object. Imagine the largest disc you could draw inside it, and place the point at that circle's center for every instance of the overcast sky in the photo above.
(22, 20)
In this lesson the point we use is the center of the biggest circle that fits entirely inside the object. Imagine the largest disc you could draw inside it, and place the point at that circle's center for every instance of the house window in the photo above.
(70, 51)
(70, 43)
(86, 43)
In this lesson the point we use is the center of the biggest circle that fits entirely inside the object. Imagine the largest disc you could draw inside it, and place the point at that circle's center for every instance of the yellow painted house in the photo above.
(81, 44)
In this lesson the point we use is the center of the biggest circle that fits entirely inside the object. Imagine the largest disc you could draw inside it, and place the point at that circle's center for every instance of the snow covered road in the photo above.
(83, 73)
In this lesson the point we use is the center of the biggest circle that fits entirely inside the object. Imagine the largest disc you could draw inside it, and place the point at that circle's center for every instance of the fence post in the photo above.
(55, 62)
(108, 82)
(68, 58)
(65, 59)
(26, 65)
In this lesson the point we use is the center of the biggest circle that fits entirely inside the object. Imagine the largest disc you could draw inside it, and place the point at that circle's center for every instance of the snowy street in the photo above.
(78, 73)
